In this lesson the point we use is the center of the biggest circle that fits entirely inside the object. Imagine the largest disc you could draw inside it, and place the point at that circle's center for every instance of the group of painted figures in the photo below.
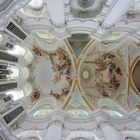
(61, 66)
(107, 74)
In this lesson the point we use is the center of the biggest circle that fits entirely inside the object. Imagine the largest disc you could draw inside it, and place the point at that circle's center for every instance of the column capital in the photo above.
(101, 122)
(57, 121)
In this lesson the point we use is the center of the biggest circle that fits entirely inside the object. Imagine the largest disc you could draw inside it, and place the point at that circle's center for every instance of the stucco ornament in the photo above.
(86, 8)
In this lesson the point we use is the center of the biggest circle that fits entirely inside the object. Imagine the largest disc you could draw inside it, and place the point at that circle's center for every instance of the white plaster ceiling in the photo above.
(35, 17)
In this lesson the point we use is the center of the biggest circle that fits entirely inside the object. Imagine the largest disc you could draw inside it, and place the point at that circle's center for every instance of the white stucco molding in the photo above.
(82, 134)
(131, 121)
(131, 134)
(76, 26)
(11, 9)
(56, 121)
(118, 123)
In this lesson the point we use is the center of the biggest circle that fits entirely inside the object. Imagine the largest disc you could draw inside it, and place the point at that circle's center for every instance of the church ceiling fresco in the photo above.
(51, 74)
(97, 78)
(105, 74)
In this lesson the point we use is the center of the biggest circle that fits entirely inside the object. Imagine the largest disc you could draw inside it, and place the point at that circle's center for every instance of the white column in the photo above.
(54, 129)
(108, 130)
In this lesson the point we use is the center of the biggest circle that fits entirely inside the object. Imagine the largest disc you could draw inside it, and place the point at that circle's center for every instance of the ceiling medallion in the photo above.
(85, 74)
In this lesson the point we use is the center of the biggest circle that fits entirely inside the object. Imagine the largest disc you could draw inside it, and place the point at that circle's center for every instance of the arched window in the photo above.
(17, 50)
(1, 38)
(19, 94)
(16, 95)
(14, 72)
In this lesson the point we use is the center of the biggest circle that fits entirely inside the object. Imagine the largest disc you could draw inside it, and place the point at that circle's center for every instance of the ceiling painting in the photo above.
(80, 83)
(103, 73)
(51, 74)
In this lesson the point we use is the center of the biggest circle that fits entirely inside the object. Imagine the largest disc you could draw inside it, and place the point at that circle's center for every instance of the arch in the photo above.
(82, 135)
(131, 135)
(133, 81)
(30, 135)
(110, 105)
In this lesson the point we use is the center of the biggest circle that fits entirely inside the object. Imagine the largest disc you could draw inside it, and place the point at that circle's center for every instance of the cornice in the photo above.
(88, 119)
(74, 26)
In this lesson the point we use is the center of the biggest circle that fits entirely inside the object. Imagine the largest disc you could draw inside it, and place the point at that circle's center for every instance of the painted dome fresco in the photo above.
(80, 74)
(77, 63)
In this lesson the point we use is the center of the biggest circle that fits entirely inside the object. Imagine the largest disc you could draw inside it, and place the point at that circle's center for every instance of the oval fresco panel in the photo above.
(102, 75)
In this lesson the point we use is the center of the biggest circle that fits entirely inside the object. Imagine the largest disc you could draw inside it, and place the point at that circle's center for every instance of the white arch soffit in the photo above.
(114, 37)
(29, 133)
(90, 31)
(110, 103)
(132, 134)
(40, 102)
(82, 134)
(77, 28)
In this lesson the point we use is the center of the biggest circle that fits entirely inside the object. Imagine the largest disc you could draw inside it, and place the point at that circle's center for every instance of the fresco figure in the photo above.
(107, 74)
